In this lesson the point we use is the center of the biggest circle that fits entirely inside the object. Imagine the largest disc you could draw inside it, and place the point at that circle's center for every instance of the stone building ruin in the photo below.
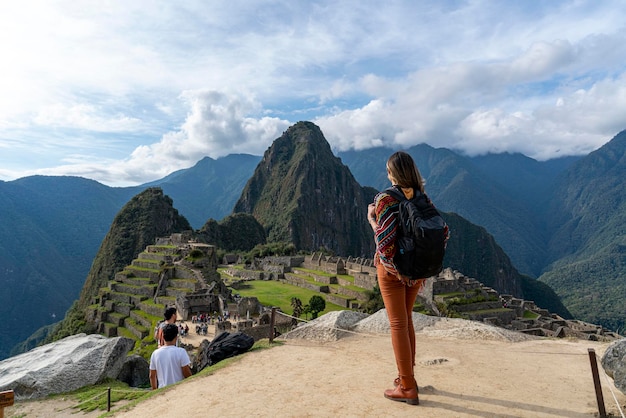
(464, 296)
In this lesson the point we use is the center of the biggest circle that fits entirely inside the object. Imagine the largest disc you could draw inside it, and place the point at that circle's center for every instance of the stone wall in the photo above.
(246, 274)
(318, 261)
(248, 305)
(288, 261)
(366, 281)
(298, 281)
(338, 300)
(202, 301)
(318, 277)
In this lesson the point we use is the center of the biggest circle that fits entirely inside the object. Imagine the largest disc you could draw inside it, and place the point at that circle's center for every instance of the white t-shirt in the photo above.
(168, 362)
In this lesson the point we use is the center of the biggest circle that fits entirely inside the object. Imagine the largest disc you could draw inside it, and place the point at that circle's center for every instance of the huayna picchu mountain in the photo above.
(301, 193)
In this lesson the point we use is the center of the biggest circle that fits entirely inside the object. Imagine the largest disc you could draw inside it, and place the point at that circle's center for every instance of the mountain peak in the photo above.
(302, 140)
(301, 193)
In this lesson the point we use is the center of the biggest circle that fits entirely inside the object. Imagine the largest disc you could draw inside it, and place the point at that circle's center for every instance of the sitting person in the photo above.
(169, 364)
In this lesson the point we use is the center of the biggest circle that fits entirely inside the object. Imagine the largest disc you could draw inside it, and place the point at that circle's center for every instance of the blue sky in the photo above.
(127, 92)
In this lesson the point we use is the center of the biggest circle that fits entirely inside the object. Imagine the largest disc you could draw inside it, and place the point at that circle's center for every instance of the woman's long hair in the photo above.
(403, 170)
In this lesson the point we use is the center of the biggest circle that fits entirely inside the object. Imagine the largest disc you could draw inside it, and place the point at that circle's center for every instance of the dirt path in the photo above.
(457, 378)
(460, 375)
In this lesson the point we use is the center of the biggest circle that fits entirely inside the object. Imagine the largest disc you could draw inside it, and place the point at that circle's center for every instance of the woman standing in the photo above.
(398, 292)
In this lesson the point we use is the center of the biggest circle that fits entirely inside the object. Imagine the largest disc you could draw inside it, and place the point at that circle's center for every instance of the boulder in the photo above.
(614, 363)
(327, 327)
(135, 372)
(65, 365)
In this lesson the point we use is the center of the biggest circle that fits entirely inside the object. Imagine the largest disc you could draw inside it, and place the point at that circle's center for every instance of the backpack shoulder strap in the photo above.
(396, 192)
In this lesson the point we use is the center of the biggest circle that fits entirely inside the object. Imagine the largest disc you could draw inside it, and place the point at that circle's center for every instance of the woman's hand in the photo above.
(371, 211)
(371, 216)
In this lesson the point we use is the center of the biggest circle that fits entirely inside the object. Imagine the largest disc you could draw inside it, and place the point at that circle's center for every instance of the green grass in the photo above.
(482, 311)
(139, 327)
(531, 315)
(316, 272)
(153, 319)
(449, 295)
(134, 269)
(350, 287)
(91, 398)
(125, 332)
(149, 260)
(346, 277)
(272, 293)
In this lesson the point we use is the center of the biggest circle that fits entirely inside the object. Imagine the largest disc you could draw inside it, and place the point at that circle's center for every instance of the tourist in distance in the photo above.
(398, 293)
(170, 318)
(169, 364)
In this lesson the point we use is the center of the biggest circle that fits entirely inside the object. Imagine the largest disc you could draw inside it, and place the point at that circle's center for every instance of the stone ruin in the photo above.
(509, 312)
(501, 310)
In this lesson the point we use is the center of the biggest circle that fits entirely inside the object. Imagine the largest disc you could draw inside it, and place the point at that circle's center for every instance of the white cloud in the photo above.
(217, 125)
(85, 116)
(126, 92)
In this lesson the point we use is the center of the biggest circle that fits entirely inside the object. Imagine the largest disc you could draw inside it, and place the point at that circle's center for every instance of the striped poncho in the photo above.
(386, 210)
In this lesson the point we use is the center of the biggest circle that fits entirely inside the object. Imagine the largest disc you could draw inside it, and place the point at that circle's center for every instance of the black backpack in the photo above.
(227, 345)
(421, 238)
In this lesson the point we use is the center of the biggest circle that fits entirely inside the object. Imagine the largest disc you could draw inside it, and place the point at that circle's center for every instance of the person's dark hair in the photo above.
(403, 170)
(170, 331)
(168, 313)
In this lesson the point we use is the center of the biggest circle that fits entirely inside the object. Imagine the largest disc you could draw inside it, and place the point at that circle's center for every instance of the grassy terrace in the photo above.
(450, 295)
(182, 282)
(136, 269)
(167, 300)
(481, 311)
(157, 253)
(272, 293)
(153, 319)
(336, 287)
(147, 280)
(531, 315)
(351, 287)
(124, 332)
(149, 260)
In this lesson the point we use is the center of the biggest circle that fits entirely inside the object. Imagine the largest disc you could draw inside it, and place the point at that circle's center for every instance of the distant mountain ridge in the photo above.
(210, 188)
(587, 243)
(51, 227)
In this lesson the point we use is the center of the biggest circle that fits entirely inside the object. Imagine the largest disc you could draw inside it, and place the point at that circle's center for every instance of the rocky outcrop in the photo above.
(614, 363)
(328, 327)
(135, 371)
(65, 365)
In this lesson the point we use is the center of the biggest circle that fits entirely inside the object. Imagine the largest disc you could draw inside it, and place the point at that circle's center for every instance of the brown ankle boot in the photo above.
(406, 391)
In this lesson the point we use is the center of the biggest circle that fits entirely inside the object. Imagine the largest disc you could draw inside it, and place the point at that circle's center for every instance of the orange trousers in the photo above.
(399, 300)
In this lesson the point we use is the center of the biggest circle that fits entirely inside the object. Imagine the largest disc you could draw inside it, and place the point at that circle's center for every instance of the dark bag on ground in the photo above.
(422, 236)
(227, 345)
